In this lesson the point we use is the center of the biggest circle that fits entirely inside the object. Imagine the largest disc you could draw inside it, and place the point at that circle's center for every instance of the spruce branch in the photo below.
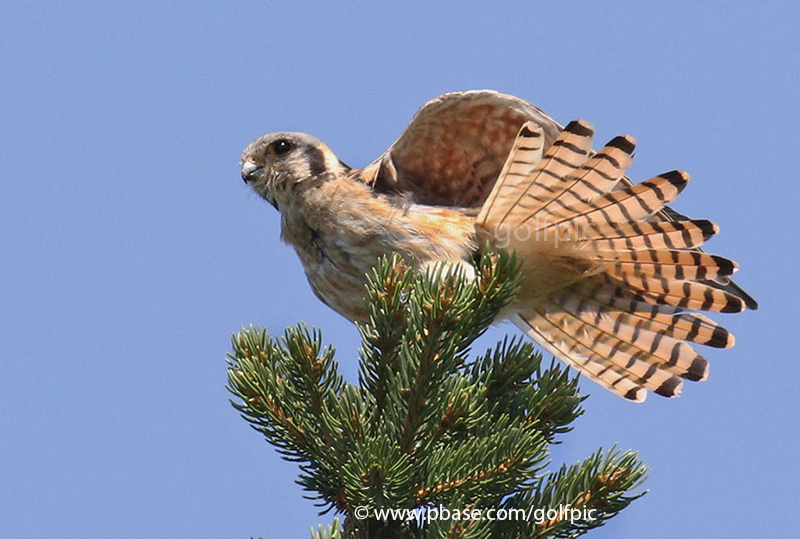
(600, 485)
(426, 427)
(334, 531)
(551, 404)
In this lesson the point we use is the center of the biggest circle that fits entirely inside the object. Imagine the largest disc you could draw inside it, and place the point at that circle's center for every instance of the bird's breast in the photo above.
(339, 235)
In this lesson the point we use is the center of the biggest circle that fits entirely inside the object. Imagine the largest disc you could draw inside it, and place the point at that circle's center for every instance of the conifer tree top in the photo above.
(426, 428)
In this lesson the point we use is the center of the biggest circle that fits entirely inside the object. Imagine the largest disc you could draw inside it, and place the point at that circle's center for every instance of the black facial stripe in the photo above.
(316, 161)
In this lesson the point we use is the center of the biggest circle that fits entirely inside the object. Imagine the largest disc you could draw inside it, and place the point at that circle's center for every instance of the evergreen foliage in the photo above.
(426, 428)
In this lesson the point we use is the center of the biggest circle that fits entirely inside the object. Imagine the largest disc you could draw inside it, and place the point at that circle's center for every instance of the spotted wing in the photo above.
(455, 146)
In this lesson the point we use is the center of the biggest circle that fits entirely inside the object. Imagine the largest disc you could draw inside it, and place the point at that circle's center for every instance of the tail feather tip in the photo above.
(623, 142)
(580, 127)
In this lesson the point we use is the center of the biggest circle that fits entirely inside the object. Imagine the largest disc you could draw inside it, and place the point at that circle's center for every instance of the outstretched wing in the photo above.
(454, 148)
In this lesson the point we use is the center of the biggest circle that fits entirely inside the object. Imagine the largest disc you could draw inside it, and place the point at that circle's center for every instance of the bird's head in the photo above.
(275, 164)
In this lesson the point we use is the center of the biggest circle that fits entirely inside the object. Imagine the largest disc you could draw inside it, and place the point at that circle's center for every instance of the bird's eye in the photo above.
(281, 147)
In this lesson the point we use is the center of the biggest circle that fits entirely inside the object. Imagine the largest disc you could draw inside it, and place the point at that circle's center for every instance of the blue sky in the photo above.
(131, 249)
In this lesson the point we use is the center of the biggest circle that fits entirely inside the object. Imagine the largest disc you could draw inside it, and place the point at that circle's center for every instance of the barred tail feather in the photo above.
(581, 358)
(667, 264)
(525, 153)
(687, 234)
(625, 354)
(672, 321)
(683, 294)
(612, 297)
(596, 177)
(512, 202)
(636, 203)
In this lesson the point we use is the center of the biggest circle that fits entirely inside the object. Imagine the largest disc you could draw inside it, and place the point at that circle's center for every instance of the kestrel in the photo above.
(611, 277)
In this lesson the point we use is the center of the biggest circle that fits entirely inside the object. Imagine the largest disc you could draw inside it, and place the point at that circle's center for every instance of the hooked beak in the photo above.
(250, 170)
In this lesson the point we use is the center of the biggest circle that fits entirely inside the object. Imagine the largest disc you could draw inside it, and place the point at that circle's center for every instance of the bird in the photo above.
(613, 281)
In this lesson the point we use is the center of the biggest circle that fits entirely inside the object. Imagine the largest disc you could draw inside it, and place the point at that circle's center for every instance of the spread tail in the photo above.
(608, 285)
